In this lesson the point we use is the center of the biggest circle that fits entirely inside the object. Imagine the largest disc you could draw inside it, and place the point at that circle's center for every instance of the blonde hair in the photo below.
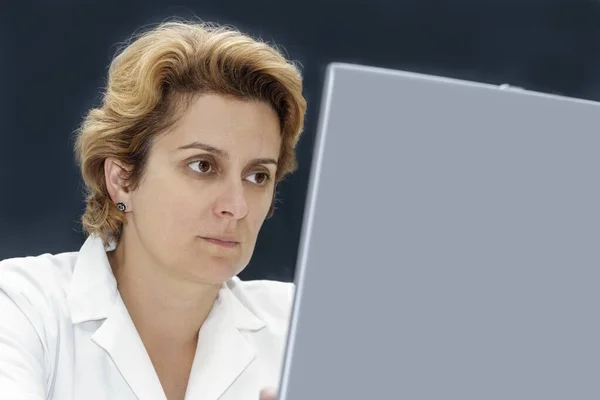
(151, 82)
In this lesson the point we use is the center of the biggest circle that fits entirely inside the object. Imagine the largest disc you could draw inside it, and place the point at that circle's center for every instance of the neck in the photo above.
(164, 308)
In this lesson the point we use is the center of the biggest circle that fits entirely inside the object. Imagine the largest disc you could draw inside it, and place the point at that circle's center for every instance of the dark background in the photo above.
(54, 56)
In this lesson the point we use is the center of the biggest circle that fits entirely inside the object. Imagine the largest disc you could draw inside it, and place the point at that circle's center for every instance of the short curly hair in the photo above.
(150, 84)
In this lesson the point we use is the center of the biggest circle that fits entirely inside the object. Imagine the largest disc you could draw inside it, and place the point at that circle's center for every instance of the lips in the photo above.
(222, 241)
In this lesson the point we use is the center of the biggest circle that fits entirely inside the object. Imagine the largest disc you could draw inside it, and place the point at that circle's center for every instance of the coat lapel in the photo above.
(93, 295)
(223, 353)
(120, 339)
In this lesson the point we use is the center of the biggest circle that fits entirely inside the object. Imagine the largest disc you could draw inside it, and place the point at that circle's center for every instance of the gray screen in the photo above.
(451, 244)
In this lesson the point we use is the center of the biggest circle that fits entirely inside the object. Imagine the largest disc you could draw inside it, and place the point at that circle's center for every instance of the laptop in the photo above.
(450, 246)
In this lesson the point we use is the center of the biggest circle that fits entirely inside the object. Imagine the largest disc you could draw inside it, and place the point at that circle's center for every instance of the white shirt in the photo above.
(65, 334)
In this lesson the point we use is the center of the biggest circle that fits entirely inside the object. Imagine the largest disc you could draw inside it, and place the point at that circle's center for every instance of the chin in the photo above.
(214, 269)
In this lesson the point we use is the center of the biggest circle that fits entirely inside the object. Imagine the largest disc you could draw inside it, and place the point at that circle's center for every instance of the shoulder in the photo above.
(33, 292)
(38, 285)
(44, 275)
(269, 300)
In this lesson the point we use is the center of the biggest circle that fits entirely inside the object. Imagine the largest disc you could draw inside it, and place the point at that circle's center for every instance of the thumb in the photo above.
(268, 393)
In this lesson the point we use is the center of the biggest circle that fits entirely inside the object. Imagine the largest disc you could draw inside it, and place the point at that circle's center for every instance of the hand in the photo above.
(268, 393)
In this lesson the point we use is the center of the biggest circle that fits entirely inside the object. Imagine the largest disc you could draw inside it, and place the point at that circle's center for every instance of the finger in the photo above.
(269, 393)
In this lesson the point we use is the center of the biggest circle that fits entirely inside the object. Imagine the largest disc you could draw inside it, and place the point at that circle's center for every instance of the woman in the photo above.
(198, 124)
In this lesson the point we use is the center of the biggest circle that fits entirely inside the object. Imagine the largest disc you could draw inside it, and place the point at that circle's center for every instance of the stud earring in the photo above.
(121, 206)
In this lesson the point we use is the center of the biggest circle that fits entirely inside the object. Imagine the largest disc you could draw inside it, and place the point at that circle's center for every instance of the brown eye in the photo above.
(201, 166)
(204, 166)
(259, 178)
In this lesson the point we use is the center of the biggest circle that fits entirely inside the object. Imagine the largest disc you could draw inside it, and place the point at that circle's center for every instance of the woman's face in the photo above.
(207, 189)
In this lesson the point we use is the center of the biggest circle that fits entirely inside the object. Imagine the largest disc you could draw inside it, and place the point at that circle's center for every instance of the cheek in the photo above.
(259, 210)
(168, 207)
(183, 211)
(180, 214)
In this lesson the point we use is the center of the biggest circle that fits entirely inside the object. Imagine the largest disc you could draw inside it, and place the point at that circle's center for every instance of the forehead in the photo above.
(233, 125)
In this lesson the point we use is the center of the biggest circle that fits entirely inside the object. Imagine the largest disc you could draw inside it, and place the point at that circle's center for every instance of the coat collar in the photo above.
(223, 351)
(93, 290)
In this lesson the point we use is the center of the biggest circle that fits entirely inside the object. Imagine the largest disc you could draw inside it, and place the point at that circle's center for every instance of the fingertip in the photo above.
(268, 393)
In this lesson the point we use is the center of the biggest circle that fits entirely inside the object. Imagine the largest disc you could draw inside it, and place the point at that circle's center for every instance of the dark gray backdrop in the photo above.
(54, 56)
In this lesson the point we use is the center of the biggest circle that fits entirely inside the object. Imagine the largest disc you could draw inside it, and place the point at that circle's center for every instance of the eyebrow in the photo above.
(222, 153)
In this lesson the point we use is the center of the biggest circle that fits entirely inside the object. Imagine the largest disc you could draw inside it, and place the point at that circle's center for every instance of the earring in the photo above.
(121, 206)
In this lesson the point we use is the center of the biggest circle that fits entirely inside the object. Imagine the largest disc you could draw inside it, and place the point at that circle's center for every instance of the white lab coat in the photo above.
(65, 334)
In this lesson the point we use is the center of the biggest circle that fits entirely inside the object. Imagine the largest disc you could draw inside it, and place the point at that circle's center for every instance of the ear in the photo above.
(115, 174)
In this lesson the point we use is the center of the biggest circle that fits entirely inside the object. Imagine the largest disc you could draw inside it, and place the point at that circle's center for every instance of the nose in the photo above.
(232, 201)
